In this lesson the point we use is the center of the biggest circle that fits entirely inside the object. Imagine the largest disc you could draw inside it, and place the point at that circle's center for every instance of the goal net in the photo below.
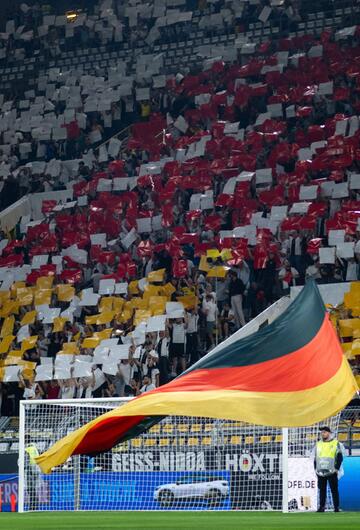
(181, 463)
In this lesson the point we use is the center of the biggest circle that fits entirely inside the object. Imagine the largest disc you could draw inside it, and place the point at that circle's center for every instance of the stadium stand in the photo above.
(140, 163)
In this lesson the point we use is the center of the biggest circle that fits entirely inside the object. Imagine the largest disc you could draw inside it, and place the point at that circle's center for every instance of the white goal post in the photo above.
(181, 463)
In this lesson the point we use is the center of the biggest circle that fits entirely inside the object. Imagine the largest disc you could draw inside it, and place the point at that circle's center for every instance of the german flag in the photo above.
(290, 373)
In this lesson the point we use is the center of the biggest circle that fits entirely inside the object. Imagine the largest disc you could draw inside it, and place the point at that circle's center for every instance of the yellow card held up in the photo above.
(29, 343)
(45, 282)
(29, 318)
(6, 343)
(65, 293)
(156, 276)
(7, 327)
(42, 297)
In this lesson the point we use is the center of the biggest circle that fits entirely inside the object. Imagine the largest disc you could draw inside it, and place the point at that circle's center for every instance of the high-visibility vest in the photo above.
(145, 110)
(325, 457)
(33, 452)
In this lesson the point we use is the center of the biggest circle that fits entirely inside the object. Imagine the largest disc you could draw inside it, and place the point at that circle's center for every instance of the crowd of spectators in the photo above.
(236, 184)
(60, 118)
(42, 29)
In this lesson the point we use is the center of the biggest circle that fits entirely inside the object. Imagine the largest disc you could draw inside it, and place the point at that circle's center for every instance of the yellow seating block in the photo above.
(265, 439)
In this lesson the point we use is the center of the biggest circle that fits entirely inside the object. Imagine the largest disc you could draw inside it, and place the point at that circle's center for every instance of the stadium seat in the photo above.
(206, 440)
(183, 427)
(278, 438)
(168, 428)
(150, 442)
(343, 436)
(265, 439)
(193, 441)
(235, 440)
(179, 441)
(164, 442)
(196, 427)
(155, 429)
(249, 439)
(136, 442)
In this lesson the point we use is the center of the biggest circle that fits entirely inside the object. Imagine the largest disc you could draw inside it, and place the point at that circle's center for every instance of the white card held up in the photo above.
(263, 176)
(89, 299)
(300, 207)
(47, 360)
(44, 372)
(82, 368)
(207, 201)
(51, 314)
(262, 118)
(121, 288)
(336, 237)
(308, 193)
(103, 155)
(265, 13)
(156, 323)
(327, 255)
(159, 81)
(39, 260)
(276, 110)
(340, 190)
(173, 306)
(355, 181)
(315, 51)
(181, 124)
(326, 89)
(101, 354)
(278, 213)
(157, 223)
(327, 188)
(119, 352)
(82, 200)
(345, 250)
(110, 367)
(11, 374)
(231, 128)
(104, 185)
(59, 133)
(107, 286)
(144, 225)
(305, 153)
(142, 94)
(23, 333)
(99, 378)
(98, 239)
(120, 184)
(129, 239)
(76, 254)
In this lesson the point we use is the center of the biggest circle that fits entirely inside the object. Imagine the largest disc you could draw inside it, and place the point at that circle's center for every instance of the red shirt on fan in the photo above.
(53, 390)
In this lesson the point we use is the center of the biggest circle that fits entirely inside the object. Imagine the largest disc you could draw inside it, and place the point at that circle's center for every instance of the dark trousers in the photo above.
(192, 347)
(164, 368)
(333, 483)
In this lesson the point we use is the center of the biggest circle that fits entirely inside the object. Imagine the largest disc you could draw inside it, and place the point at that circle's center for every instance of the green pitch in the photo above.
(180, 521)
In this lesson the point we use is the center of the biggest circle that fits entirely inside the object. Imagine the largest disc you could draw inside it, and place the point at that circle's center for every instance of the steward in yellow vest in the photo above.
(329, 454)
(32, 453)
(32, 477)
